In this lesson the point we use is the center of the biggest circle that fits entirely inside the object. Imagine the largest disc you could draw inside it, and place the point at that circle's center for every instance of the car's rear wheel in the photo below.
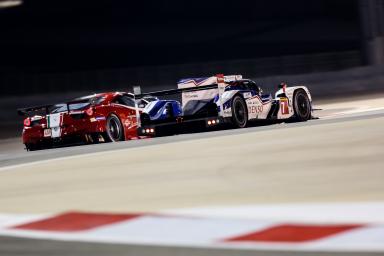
(29, 146)
(115, 130)
(239, 112)
(301, 106)
(33, 146)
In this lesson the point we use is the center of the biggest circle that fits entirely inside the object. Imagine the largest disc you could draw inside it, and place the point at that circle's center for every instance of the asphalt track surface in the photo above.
(31, 247)
(338, 158)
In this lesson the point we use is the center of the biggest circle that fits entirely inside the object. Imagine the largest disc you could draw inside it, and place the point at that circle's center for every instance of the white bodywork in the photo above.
(197, 95)
(257, 108)
(286, 109)
(55, 122)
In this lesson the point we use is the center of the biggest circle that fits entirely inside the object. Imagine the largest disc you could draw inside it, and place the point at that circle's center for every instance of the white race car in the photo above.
(222, 99)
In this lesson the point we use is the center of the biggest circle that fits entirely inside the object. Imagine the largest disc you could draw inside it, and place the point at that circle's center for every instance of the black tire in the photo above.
(301, 106)
(115, 130)
(32, 146)
(29, 147)
(239, 112)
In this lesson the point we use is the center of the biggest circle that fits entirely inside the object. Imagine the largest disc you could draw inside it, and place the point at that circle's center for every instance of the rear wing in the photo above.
(139, 95)
(44, 109)
(174, 91)
(190, 85)
(186, 87)
(201, 81)
(189, 98)
(26, 111)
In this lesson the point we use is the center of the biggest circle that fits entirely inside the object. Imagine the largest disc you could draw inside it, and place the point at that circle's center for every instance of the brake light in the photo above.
(89, 111)
(213, 122)
(149, 131)
(27, 122)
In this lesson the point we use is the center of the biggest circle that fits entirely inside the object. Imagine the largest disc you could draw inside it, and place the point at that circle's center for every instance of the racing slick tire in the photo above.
(31, 147)
(239, 112)
(301, 106)
(37, 146)
(115, 130)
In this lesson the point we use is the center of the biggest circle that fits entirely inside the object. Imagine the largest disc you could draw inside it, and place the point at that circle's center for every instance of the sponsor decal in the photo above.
(247, 95)
(187, 95)
(232, 78)
(98, 118)
(255, 109)
(47, 133)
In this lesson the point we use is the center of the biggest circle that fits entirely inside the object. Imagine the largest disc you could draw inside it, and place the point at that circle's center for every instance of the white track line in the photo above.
(337, 212)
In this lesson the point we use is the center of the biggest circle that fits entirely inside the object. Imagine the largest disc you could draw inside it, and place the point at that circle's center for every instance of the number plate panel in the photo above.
(47, 132)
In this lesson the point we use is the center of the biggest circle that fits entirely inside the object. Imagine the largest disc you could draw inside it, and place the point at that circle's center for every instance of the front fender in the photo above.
(289, 92)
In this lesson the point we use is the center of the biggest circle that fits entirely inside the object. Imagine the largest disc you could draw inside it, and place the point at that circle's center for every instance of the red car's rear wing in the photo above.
(44, 109)
(26, 111)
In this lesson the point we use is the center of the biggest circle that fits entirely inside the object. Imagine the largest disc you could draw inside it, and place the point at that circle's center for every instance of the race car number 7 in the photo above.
(284, 107)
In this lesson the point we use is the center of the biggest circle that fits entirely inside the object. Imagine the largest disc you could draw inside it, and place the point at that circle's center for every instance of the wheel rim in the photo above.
(302, 105)
(114, 129)
(239, 112)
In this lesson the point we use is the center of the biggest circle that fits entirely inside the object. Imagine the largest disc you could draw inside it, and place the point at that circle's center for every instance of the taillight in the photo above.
(89, 111)
(27, 122)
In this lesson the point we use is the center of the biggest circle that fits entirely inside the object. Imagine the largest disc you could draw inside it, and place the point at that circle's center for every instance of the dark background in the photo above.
(65, 35)
(49, 46)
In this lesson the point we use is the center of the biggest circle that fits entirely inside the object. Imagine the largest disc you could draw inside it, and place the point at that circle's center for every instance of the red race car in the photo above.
(91, 119)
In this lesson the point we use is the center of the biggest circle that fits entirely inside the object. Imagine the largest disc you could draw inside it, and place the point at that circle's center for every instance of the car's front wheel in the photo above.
(115, 130)
(301, 106)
